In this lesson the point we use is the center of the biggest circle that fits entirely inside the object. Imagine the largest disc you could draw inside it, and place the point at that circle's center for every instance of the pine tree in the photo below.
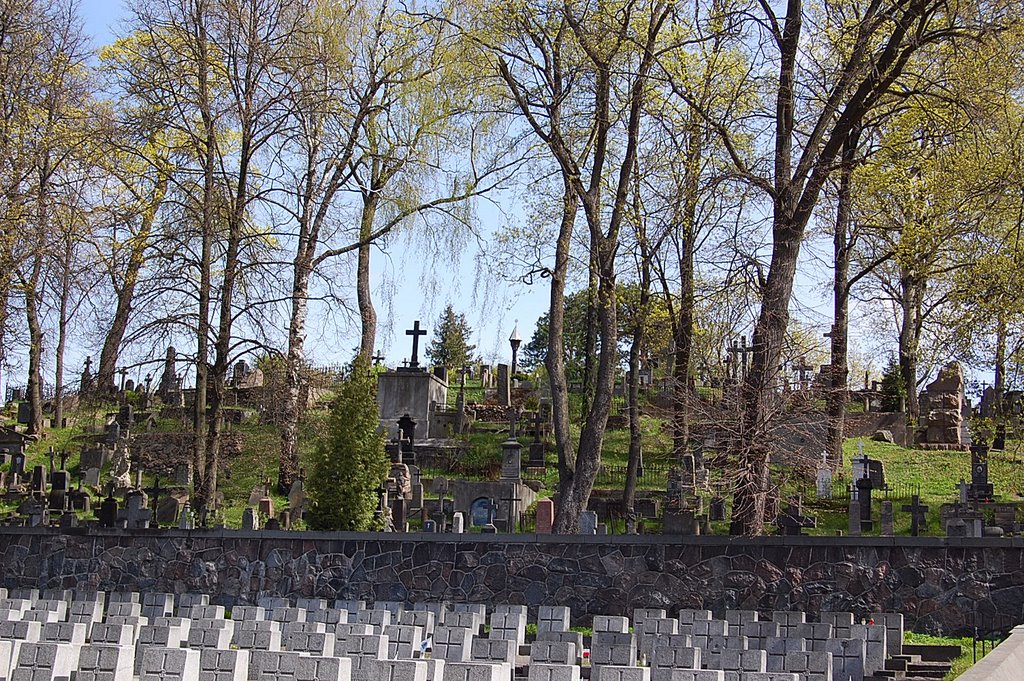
(893, 387)
(349, 463)
(450, 347)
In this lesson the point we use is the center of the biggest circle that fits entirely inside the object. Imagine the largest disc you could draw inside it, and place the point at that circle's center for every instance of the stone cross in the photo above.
(64, 459)
(124, 375)
(918, 515)
(513, 419)
(415, 332)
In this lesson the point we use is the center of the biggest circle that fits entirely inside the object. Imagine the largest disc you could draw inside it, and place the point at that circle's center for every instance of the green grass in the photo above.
(936, 472)
(966, 658)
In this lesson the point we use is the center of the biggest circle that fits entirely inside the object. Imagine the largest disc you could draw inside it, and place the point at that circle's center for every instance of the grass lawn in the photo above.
(935, 472)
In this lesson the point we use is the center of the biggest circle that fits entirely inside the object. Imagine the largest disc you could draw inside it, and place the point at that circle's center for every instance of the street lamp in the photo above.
(515, 340)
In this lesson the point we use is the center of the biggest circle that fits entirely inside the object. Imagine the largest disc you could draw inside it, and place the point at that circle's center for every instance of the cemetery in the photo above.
(531, 341)
(882, 540)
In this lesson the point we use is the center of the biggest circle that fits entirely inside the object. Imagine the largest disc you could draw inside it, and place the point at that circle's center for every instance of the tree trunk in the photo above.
(5, 301)
(759, 396)
(62, 333)
(35, 352)
(911, 299)
(204, 495)
(288, 466)
(555, 358)
(367, 313)
(758, 390)
(836, 397)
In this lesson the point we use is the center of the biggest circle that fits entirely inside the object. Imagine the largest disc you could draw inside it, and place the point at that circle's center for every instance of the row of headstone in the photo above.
(362, 640)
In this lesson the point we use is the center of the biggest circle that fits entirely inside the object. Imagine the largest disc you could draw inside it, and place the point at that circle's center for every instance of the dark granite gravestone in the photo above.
(400, 513)
(918, 515)
(60, 486)
(107, 514)
(981, 489)
(792, 521)
(864, 487)
(511, 459)
(126, 417)
(93, 457)
(38, 486)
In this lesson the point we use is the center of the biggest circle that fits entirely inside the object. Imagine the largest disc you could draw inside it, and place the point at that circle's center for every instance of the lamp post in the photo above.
(515, 340)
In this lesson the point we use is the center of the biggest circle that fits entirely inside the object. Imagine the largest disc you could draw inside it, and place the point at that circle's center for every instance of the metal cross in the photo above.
(415, 332)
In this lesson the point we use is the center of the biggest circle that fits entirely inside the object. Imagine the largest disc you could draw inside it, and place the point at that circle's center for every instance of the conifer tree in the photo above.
(349, 463)
(450, 347)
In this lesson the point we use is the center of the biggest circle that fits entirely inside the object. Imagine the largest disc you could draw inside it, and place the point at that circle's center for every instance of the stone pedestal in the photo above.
(416, 393)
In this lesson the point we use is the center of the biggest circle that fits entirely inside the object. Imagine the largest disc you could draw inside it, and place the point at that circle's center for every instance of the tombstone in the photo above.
(504, 386)
(981, 488)
(942, 410)
(186, 521)
(91, 477)
(853, 518)
(126, 417)
(60, 486)
(545, 516)
(297, 497)
(870, 468)
(85, 382)
(429, 526)
(18, 463)
(458, 523)
(183, 473)
(107, 515)
(250, 521)
(887, 519)
(864, 487)
(399, 513)
(791, 520)
(957, 527)
(38, 485)
(588, 522)
(480, 512)
(511, 459)
(682, 522)
(24, 413)
(823, 486)
(265, 507)
(717, 509)
(93, 457)
(135, 515)
(168, 510)
(918, 515)
(80, 500)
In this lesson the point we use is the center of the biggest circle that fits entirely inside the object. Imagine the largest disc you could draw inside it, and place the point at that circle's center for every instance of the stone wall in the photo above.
(937, 583)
